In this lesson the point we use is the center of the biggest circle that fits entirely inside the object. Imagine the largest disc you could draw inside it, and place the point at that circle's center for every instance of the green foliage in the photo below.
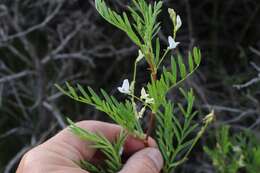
(90, 167)
(253, 159)
(144, 16)
(122, 22)
(171, 79)
(224, 158)
(169, 128)
(175, 137)
(250, 147)
(144, 25)
(234, 152)
(120, 112)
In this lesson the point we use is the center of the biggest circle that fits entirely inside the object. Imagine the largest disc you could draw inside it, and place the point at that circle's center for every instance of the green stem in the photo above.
(145, 104)
(200, 133)
(133, 87)
(161, 60)
(138, 126)
(134, 77)
(180, 81)
(153, 70)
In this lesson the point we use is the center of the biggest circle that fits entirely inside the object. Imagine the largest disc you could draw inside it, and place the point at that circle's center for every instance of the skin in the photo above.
(59, 153)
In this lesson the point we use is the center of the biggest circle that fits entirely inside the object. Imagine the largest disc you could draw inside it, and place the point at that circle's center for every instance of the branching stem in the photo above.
(164, 55)
(151, 114)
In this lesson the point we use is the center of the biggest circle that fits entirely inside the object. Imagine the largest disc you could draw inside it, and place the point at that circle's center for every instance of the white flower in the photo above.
(237, 149)
(172, 43)
(121, 151)
(149, 100)
(178, 22)
(140, 56)
(241, 162)
(140, 114)
(209, 118)
(125, 87)
(145, 97)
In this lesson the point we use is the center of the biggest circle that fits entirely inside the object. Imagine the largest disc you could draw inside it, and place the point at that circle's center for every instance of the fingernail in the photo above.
(155, 155)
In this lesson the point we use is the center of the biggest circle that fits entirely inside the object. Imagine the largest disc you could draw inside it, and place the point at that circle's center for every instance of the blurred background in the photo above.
(43, 42)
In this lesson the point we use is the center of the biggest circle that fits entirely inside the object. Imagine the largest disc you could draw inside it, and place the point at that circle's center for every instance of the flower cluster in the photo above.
(177, 23)
(145, 98)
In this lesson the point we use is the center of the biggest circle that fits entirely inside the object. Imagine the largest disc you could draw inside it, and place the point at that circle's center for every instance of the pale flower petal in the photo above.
(172, 14)
(209, 118)
(144, 95)
(237, 149)
(172, 43)
(241, 161)
(178, 22)
(149, 100)
(140, 114)
(121, 151)
(125, 87)
(140, 56)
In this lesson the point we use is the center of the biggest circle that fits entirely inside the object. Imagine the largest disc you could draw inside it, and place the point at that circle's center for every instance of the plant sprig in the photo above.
(175, 138)
(120, 112)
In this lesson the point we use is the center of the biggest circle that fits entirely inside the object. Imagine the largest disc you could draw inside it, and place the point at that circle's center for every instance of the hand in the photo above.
(58, 154)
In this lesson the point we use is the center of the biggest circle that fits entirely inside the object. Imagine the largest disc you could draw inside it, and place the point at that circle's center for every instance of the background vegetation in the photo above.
(43, 42)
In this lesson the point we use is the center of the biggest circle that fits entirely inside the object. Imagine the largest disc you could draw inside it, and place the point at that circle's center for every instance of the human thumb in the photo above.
(148, 160)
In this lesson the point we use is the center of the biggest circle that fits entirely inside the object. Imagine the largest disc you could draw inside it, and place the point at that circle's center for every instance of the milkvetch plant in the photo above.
(235, 152)
(175, 136)
(226, 157)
